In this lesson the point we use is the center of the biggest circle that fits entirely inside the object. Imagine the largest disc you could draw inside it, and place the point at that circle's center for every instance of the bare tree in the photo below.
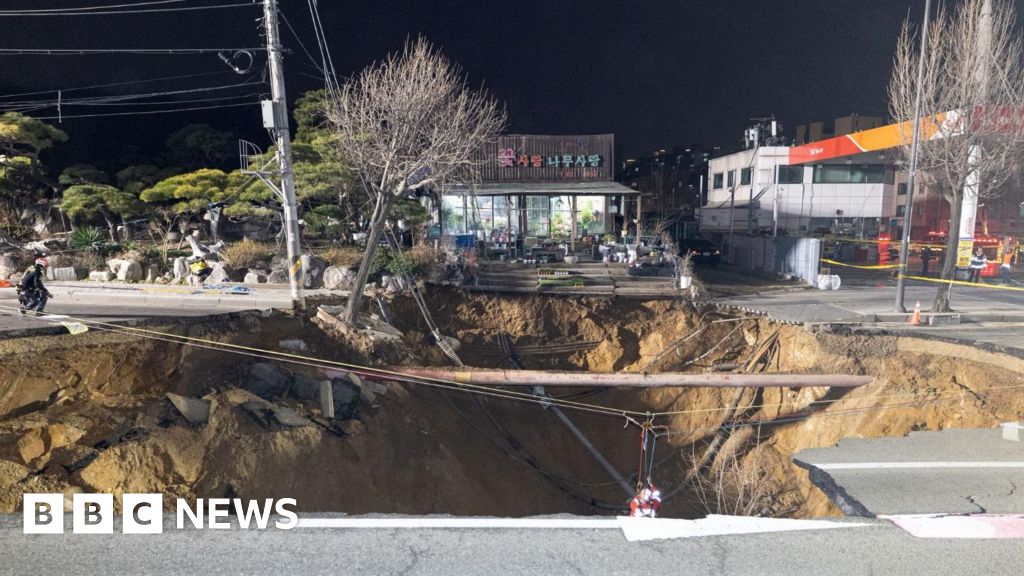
(737, 484)
(971, 96)
(405, 124)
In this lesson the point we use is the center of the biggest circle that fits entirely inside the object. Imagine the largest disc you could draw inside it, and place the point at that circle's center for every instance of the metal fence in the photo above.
(783, 255)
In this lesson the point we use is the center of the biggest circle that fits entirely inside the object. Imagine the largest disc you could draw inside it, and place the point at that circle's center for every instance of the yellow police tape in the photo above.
(965, 283)
(875, 267)
(925, 278)
(840, 240)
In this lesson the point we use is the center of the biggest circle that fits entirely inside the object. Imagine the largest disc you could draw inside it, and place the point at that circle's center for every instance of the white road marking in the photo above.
(898, 465)
(484, 523)
(633, 529)
(960, 526)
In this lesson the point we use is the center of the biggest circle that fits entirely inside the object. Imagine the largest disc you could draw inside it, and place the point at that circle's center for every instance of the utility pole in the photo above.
(908, 206)
(278, 125)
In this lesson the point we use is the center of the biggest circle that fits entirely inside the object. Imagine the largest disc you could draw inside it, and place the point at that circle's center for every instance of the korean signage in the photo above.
(509, 158)
(533, 158)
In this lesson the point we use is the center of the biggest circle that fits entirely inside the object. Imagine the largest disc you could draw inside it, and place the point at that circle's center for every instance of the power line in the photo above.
(88, 51)
(111, 85)
(107, 7)
(112, 12)
(123, 97)
(65, 116)
(168, 102)
(301, 44)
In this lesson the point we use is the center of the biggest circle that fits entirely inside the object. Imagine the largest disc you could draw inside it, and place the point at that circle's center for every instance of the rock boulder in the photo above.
(338, 278)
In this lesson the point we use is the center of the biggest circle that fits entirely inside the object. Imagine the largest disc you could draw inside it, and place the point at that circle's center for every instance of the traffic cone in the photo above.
(915, 320)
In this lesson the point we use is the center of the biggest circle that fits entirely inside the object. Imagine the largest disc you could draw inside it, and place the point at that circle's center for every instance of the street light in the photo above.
(908, 209)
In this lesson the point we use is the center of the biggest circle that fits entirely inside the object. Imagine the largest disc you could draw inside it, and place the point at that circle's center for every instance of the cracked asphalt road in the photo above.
(878, 549)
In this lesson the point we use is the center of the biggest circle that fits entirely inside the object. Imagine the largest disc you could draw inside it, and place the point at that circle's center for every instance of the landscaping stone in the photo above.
(220, 273)
(254, 278)
(312, 271)
(151, 274)
(101, 276)
(180, 268)
(269, 415)
(126, 270)
(267, 380)
(305, 388)
(339, 278)
(195, 410)
(278, 277)
(346, 398)
(7, 265)
(67, 274)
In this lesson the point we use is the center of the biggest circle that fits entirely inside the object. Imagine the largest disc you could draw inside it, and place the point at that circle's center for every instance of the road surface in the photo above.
(122, 302)
(881, 548)
(952, 471)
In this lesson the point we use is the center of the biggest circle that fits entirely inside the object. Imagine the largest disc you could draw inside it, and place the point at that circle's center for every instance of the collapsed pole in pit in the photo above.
(635, 379)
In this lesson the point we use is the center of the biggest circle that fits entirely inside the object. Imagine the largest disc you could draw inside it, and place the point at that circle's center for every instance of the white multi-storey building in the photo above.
(758, 191)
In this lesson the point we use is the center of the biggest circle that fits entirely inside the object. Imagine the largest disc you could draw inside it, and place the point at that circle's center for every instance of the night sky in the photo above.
(655, 73)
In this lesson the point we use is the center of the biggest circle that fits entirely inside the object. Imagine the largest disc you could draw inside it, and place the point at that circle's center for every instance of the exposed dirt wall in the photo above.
(88, 413)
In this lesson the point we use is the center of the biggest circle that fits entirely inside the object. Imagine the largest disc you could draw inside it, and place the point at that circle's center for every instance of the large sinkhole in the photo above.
(90, 412)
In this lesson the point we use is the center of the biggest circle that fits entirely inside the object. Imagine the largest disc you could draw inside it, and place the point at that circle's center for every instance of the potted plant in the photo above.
(684, 271)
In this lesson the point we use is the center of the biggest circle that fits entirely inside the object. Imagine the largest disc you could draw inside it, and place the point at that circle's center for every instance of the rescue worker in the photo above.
(647, 501)
(199, 270)
(32, 295)
(978, 263)
(926, 258)
(1007, 267)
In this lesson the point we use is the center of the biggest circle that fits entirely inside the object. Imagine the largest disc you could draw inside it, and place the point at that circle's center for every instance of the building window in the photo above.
(538, 213)
(849, 174)
(901, 190)
(901, 210)
(791, 174)
(732, 178)
(745, 177)
(717, 181)
(453, 213)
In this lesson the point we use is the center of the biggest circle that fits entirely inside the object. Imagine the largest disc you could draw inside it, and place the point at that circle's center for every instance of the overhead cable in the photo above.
(107, 7)
(16, 13)
(140, 113)
(99, 100)
(90, 51)
(113, 84)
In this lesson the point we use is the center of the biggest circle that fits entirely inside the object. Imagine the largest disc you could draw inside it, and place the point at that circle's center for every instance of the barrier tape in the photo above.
(873, 267)
(925, 278)
(866, 241)
(964, 283)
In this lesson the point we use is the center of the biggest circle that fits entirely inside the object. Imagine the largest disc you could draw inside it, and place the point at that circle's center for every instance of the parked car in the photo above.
(703, 252)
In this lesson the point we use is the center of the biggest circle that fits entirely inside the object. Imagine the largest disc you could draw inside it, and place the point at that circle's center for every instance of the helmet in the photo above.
(41, 261)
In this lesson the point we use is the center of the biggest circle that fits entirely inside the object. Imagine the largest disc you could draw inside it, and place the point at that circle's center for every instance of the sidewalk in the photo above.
(259, 296)
(983, 316)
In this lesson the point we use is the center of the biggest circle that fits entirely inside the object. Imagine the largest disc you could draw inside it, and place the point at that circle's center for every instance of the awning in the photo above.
(543, 189)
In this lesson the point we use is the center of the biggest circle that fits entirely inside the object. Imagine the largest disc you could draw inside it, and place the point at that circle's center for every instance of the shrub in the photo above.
(343, 256)
(249, 254)
(87, 238)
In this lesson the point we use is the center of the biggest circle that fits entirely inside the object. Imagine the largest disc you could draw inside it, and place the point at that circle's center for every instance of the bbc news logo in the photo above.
(143, 513)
